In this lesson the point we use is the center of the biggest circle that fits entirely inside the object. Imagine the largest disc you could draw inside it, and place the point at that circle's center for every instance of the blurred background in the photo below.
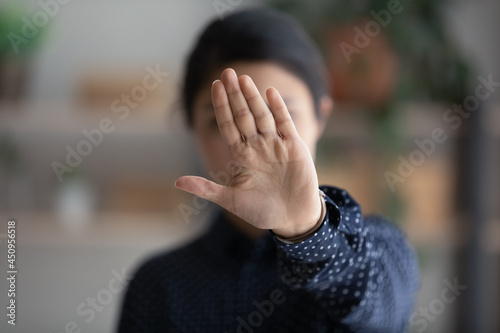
(88, 156)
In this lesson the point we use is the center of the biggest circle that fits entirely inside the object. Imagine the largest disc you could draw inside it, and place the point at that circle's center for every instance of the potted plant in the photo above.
(15, 52)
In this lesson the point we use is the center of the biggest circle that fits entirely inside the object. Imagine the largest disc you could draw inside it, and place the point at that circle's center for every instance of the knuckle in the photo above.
(240, 112)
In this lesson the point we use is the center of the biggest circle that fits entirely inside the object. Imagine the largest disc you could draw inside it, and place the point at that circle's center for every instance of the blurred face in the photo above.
(295, 93)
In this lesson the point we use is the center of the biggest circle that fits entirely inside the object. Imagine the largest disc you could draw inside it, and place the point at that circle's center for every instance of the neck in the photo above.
(248, 229)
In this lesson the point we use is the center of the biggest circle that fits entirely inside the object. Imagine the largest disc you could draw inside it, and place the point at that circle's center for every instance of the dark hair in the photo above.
(253, 35)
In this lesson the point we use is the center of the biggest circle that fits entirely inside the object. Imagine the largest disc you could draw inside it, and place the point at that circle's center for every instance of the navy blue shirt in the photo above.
(355, 274)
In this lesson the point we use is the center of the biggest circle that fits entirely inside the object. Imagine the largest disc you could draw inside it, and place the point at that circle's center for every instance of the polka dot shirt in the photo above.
(354, 274)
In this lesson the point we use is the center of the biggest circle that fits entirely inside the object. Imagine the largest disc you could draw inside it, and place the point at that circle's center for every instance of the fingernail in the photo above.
(215, 81)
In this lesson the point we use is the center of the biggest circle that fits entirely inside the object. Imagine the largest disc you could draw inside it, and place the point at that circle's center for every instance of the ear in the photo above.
(325, 109)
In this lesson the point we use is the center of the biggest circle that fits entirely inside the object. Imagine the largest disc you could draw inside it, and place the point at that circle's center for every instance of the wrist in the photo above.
(298, 235)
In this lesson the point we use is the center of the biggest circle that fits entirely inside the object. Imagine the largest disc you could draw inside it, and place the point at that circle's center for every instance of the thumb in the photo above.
(201, 187)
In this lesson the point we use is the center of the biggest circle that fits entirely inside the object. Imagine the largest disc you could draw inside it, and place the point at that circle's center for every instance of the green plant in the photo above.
(431, 68)
(11, 22)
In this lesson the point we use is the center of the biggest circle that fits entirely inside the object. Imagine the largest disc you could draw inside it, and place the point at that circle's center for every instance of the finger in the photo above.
(282, 117)
(202, 188)
(225, 120)
(241, 111)
(263, 117)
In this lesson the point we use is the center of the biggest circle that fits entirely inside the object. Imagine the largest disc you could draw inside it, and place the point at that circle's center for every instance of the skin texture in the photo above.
(243, 125)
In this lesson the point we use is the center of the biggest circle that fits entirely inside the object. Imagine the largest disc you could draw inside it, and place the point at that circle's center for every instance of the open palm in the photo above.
(274, 183)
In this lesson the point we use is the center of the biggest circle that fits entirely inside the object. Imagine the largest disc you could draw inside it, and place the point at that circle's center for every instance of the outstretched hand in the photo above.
(274, 185)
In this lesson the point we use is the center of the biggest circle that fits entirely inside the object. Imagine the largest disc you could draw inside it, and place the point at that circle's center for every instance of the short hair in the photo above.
(259, 34)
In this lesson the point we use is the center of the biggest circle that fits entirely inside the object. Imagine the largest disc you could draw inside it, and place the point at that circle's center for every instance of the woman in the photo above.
(282, 255)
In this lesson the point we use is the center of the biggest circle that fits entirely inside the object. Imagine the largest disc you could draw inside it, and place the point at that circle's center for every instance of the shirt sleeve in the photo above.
(363, 271)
